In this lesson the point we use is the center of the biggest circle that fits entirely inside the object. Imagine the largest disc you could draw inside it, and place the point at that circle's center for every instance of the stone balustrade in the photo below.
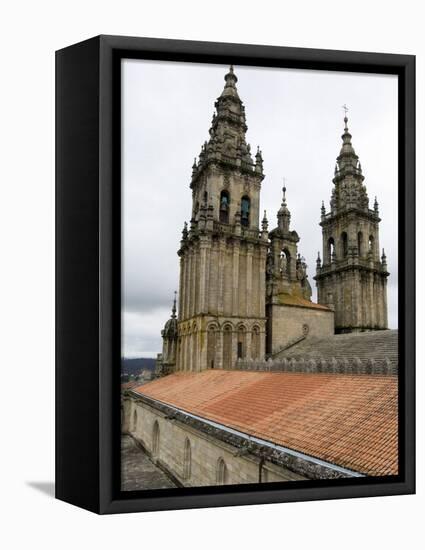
(335, 366)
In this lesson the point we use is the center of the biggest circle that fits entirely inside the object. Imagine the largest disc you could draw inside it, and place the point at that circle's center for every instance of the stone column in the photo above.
(234, 347)
(248, 344)
(193, 282)
(221, 261)
(261, 312)
(372, 301)
(219, 349)
(207, 276)
(384, 292)
(186, 284)
(262, 336)
(201, 273)
(249, 296)
(235, 278)
(181, 285)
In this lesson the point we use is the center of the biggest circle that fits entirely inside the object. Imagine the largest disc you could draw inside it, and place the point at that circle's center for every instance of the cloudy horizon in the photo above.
(296, 118)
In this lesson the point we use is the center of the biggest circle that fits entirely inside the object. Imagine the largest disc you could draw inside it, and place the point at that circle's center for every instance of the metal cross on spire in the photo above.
(345, 109)
(284, 191)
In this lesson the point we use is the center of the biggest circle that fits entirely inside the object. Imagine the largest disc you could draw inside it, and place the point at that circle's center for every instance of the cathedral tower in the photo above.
(352, 278)
(291, 315)
(221, 313)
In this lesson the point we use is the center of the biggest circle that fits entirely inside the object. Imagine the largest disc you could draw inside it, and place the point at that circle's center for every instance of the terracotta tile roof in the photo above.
(349, 420)
(290, 300)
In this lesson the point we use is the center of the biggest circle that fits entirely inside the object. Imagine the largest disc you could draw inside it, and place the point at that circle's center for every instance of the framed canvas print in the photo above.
(235, 274)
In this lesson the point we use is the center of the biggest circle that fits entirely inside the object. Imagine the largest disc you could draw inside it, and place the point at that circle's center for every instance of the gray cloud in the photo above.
(296, 118)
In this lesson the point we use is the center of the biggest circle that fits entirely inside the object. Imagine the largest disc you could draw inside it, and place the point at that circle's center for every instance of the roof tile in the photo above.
(349, 420)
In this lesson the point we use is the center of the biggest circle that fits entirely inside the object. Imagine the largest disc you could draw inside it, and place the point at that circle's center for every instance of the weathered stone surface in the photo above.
(137, 470)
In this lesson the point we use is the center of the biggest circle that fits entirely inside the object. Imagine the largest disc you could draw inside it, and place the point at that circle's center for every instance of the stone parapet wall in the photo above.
(335, 366)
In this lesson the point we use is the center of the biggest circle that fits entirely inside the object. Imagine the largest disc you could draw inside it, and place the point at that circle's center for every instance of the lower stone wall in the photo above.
(191, 457)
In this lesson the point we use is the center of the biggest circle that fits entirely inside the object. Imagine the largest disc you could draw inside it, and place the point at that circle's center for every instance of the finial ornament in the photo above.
(345, 108)
(265, 223)
(174, 309)
(376, 205)
(284, 192)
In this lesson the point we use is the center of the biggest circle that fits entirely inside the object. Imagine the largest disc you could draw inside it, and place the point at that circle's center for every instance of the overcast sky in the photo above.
(296, 118)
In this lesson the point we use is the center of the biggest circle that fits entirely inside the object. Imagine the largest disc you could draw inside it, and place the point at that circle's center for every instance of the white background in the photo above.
(30, 32)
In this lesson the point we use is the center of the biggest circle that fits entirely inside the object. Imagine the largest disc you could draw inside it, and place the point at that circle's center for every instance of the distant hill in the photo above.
(134, 366)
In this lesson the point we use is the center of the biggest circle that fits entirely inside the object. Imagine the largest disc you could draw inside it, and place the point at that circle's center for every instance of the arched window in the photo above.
(205, 196)
(371, 242)
(245, 211)
(227, 347)
(255, 343)
(211, 346)
(344, 244)
(224, 207)
(222, 473)
(187, 459)
(134, 420)
(331, 249)
(360, 243)
(241, 343)
(155, 439)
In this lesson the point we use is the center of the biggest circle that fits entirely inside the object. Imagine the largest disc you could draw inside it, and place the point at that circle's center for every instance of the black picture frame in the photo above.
(88, 285)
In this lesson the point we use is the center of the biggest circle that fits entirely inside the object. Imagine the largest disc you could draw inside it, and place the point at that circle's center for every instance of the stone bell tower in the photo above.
(352, 278)
(221, 313)
(291, 315)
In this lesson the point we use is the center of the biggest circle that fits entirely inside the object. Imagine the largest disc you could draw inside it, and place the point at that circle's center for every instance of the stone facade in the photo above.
(352, 278)
(244, 292)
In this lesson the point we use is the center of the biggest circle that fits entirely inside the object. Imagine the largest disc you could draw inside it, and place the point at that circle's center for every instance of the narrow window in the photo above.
(227, 347)
(134, 421)
(241, 343)
(211, 346)
(222, 473)
(245, 211)
(360, 243)
(155, 439)
(187, 459)
(344, 244)
(371, 243)
(255, 345)
(224, 207)
(331, 249)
